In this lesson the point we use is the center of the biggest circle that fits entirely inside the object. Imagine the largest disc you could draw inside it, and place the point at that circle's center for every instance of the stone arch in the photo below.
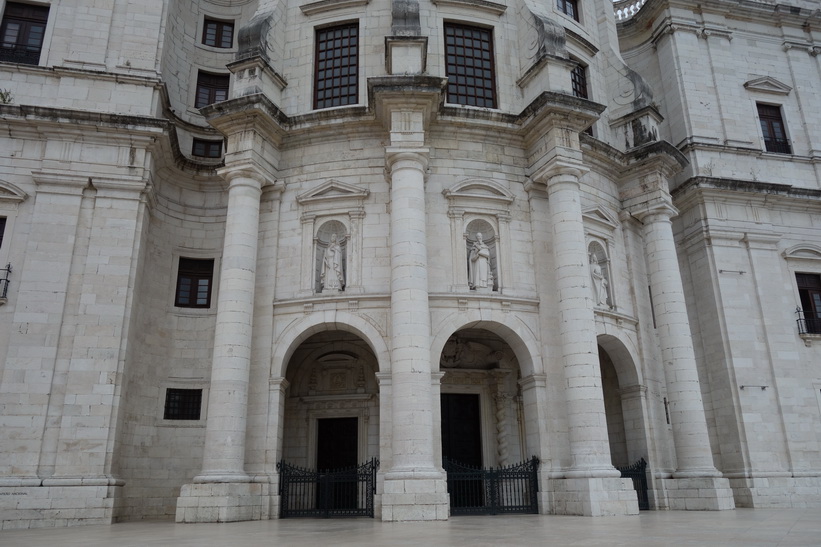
(509, 328)
(623, 360)
(625, 402)
(301, 330)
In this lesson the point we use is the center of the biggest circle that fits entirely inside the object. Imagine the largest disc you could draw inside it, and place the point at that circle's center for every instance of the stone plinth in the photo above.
(56, 506)
(415, 496)
(224, 502)
(593, 497)
(699, 494)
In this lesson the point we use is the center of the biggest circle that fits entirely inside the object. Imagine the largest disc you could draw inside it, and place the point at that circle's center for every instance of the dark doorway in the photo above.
(336, 449)
(336, 443)
(461, 429)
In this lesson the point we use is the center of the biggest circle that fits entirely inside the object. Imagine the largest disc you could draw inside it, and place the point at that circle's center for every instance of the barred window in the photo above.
(578, 80)
(182, 404)
(336, 78)
(218, 33)
(470, 65)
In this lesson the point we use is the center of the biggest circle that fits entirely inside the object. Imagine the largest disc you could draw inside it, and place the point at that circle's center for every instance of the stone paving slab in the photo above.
(741, 527)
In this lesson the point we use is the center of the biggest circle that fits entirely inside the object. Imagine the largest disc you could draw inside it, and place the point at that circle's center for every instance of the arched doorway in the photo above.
(483, 426)
(625, 411)
(330, 427)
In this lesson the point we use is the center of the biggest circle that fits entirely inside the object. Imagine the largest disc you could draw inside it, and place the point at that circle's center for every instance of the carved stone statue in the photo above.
(333, 275)
(479, 274)
(600, 283)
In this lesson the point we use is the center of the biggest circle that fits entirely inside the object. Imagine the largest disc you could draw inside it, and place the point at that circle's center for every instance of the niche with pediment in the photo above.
(331, 258)
(600, 225)
(479, 262)
(601, 285)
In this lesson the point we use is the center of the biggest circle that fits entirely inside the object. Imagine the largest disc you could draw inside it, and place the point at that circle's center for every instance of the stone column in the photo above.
(589, 445)
(698, 485)
(591, 486)
(224, 455)
(693, 455)
(221, 492)
(414, 479)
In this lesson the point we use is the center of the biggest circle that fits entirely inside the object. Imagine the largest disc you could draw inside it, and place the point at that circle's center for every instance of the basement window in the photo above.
(182, 404)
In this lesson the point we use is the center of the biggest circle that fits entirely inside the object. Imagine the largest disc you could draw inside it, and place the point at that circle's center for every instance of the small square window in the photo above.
(772, 127)
(218, 33)
(211, 88)
(182, 404)
(206, 149)
(194, 280)
(569, 8)
(21, 33)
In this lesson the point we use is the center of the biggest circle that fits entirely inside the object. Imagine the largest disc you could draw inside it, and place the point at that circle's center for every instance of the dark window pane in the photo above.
(182, 404)
(194, 283)
(211, 88)
(336, 66)
(22, 30)
(218, 33)
(470, 51)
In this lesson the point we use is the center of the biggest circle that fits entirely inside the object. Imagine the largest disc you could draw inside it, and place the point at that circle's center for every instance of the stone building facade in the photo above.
(245, 232)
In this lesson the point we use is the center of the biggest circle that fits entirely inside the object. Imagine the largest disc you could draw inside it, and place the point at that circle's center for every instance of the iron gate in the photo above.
(503, 490)
(638, 472)
(334, 493)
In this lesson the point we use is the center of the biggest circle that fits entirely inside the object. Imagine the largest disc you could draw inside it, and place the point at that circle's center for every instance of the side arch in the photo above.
(508, 327)
(623, 360)
(287, 342)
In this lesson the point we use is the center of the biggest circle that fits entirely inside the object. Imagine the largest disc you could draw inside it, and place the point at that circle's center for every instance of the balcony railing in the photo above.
(809, 322)
(779, 147)
(18, 53)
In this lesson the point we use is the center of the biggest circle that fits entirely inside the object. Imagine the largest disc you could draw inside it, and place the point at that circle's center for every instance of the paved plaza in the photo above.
(742, 527)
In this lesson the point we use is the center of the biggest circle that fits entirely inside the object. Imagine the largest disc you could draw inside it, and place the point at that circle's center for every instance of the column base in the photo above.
(769, 491)
(698, 494)
(59, 504)
(224, 502)
(592, 497)
(413, 496)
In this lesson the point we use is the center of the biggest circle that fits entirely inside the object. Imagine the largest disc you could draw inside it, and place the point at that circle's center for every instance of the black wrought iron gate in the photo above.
(638, 472)
(333, 493)
(503, 490)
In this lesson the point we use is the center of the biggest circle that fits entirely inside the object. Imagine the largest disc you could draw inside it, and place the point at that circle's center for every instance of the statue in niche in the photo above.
(479, 274)
(600, 283)
(333, 275)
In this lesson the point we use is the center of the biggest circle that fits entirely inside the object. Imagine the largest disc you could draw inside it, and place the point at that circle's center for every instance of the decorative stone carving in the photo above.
(600, 283)
(333, 269)
(480, 275)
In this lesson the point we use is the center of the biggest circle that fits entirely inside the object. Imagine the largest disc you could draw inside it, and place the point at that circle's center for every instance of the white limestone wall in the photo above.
(173, 349)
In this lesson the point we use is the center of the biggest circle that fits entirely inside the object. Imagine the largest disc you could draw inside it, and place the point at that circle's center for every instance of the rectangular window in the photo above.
(470, 65)
(182, 404)
(21, 33)
(211, 88)
(218, 33)
(578, 80)
(194, 280)
(809, 290)
(569, 8)
(2, 229)
(206, 149)
(336, 75)
(772, 127)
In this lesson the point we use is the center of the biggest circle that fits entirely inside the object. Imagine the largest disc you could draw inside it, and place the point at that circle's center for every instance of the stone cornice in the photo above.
(494, 8)
(747, 187)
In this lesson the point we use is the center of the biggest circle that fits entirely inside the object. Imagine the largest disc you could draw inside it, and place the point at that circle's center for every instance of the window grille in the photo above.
(470, 65)
(182, 404)
(336, 74)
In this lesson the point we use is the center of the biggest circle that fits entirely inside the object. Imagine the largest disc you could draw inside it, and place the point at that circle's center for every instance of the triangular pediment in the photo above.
(768, 84)
(803, 251)
(333, 189)
(479, 189)
(601, 216)
(10, 192)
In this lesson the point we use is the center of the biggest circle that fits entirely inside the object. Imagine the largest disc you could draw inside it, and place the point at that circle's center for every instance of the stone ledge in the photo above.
(699, 494)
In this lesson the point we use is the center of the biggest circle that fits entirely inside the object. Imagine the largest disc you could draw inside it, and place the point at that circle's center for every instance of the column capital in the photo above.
(396, 156)
(246, 170)
(654, 212)
(559, 166)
